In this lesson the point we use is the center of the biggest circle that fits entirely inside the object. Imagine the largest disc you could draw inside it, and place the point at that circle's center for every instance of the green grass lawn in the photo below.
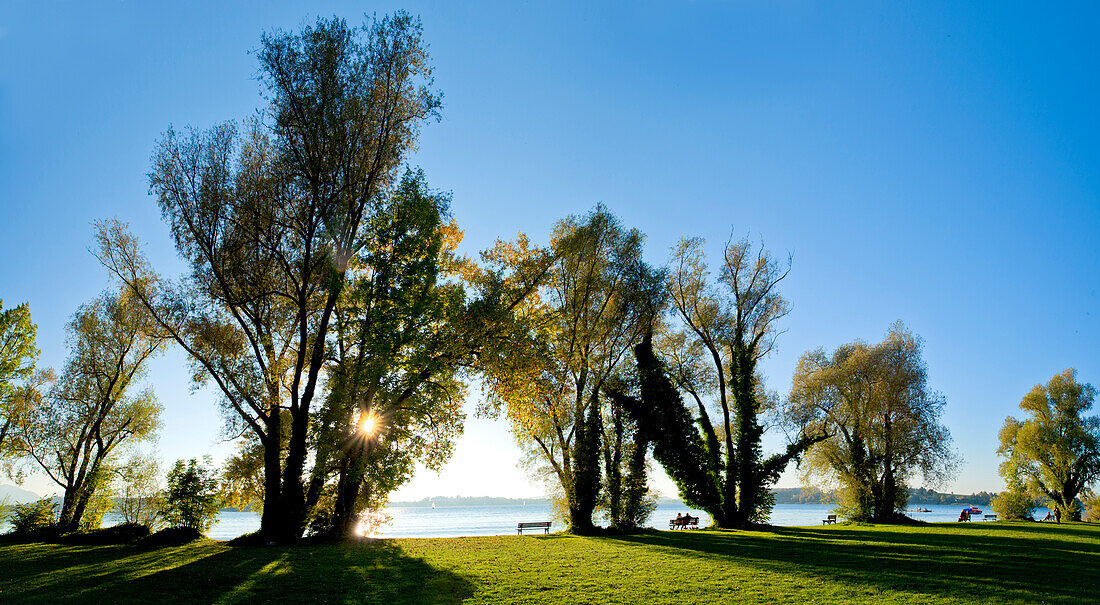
(964, 562)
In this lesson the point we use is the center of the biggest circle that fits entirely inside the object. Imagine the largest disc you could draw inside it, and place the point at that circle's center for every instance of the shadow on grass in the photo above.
(209, 572)
(999, 561)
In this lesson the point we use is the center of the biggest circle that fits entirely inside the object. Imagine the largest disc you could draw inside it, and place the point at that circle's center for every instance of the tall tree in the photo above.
(270, 221)
(594, 309)
(883, 419)
(730, 325)
(407, 333)
(95, 407)
(1054, 452)
(18, 354)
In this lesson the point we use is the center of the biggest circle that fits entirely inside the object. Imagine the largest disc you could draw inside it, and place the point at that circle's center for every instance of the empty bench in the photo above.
(543, 525)
(991, 517)
(829, 519)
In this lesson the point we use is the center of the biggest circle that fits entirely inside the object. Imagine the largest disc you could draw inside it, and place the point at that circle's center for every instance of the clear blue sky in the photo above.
(929, 162)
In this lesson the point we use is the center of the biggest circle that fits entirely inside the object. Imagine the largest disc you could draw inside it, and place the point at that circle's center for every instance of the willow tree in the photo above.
(1054, 453)
(592, 311)
(269, 221)
(883, 419)
(95, 409)
(729, 325)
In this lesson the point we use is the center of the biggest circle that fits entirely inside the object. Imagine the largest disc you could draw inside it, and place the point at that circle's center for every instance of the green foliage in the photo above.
(192, 499)
(242, 479)
(100, 502)
(139, 499)
(1092, 508)
(405, 334)
(728, 326)
(881, 418)
(18, 354)
(593, 305)
(677, 445)
(1054, 452)
(275, 221)
(32, 517)
(1014, 504)
(74, 430)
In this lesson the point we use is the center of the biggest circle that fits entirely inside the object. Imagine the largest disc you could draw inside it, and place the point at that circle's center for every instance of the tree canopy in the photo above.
(18, 355)
(882, 419)
(1054, 452)
(95, 408)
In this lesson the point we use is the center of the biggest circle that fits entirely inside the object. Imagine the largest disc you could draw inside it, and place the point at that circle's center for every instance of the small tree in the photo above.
(138, 497)
(192, 498)
(1013, 504)
(73, 431)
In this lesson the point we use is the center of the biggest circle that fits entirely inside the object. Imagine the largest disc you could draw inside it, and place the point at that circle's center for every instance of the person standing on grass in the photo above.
(1057, 515)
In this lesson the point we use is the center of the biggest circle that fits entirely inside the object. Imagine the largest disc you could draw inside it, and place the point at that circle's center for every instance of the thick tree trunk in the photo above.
(66, 520)
(272, 518)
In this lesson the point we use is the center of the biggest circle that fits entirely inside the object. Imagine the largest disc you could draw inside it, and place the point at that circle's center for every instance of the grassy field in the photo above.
(964, 563)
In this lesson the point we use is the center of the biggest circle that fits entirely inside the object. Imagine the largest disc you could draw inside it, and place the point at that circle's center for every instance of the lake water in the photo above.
(421, 522)
(451, 521)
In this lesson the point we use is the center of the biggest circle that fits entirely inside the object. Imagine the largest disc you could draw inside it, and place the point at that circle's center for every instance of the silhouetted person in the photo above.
(1058, 515)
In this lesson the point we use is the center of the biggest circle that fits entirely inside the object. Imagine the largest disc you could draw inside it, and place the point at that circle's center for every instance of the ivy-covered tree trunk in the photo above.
(663, 420)
(586, 472)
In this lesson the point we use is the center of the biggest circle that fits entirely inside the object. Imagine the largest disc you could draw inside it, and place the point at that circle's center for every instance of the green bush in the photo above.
(192, 499)
(172, 536)
(1013, 504)
(117, 534)
(33, 517)
(1092, 508)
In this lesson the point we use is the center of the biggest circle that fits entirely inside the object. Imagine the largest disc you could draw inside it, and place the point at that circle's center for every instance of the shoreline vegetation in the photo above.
(1004, 562)
(783, 495)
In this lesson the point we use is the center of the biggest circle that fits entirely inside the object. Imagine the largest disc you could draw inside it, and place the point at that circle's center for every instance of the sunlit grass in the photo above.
(961, 563)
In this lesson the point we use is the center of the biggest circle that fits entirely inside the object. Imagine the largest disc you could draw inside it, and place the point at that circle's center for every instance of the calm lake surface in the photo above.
(422, 522)
(452, 521)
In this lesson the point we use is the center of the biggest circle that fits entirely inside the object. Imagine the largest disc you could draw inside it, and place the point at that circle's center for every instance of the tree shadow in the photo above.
(378, 572)
(973, 565)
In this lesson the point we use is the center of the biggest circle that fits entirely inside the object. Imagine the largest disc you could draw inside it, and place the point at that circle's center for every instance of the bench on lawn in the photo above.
(829, 519)
(990, 517)
(685, 522)
(543, 525)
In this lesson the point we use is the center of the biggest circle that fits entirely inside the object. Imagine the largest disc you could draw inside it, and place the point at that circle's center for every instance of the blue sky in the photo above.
(929, 162)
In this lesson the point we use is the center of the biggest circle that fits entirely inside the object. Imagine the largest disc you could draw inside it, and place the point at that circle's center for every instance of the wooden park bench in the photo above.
(829, 519)
(685, 522)
(990, 517)
(543, 525)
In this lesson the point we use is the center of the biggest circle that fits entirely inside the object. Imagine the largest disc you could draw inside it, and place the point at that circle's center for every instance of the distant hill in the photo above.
(783, 495)
(452, 501)
(11, 494)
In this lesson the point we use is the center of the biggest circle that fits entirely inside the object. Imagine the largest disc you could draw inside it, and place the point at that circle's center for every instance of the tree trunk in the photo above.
(272, 517)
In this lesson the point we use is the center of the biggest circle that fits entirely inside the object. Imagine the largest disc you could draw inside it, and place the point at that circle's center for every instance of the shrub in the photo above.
(1013, 504)
(192, 498)
(173, 536)
(33, 517)
(118, 534)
